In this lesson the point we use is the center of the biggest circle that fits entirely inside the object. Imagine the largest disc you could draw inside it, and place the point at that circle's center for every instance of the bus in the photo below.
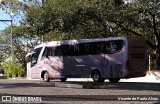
(111, 58)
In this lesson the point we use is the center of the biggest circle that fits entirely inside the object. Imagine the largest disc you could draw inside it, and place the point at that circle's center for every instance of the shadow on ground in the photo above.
(86, 85)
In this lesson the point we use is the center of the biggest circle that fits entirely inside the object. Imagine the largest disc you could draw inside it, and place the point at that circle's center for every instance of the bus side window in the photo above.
(98, 48)
(114, 46)
(120, 44)
(76, 49)
(50, 51)
(107, 48)
(57, 51)
(47, 52)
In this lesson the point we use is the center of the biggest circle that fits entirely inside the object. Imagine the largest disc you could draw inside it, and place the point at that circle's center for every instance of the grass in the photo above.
(93, 85)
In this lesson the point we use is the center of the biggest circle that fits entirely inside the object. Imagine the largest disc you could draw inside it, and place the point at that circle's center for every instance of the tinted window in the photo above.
(61, 50)
(37, 51)
(91, 48)
(79, 49)
(48, 52)
(113, 46)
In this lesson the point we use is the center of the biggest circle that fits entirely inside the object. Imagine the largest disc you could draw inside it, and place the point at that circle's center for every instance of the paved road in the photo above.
(111, 90)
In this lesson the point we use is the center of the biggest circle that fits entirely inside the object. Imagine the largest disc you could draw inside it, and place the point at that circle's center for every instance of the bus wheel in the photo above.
(96, 76)
(63, 79)
(46, 77)
(114, 80)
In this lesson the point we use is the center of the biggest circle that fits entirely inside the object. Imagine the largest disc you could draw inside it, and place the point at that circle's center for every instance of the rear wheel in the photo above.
(96, 76)
(46, 77)
(63, 79)
(114, 80)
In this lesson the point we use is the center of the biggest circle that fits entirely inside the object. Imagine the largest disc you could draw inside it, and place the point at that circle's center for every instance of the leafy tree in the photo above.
(23, 43)
(23, 37)
(1, 70)
(4, 46)
(98, 18)
(74, 19)
(141, 18)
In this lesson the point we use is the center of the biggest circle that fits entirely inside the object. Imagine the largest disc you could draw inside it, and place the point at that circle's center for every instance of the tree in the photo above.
(98, 18)
(24, 41)
(23, 37)
(141, 18)
(71, 19)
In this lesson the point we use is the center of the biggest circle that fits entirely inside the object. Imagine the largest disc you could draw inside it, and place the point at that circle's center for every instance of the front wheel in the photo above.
(46, 77)
(96, 76)
(63, 79)
(114, 80)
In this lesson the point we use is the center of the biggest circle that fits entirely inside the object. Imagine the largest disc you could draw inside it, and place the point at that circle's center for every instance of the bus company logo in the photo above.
(6, 98)
(104, 62)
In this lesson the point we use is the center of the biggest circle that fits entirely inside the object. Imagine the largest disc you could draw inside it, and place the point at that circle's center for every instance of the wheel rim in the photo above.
(45, 76)
(96, 76)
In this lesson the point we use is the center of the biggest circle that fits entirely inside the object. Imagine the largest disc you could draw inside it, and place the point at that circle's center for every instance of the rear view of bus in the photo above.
(137, 56)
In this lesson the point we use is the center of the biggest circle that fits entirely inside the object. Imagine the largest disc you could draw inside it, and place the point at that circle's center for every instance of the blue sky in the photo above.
(4, 16)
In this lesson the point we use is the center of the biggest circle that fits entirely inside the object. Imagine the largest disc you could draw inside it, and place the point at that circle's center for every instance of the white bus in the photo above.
(107, 58)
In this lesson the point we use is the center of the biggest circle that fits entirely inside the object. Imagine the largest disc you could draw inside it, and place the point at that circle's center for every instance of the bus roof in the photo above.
(72, 42)
(40, 45)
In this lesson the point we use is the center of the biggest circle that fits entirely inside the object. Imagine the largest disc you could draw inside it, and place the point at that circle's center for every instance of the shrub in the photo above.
(1, 70)
(12, 68)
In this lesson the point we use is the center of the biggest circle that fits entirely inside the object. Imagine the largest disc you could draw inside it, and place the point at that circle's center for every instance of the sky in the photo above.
(4, 16)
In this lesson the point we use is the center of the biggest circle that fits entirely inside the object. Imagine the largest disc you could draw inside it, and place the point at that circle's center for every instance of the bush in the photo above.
(1, 70)
(12, 69)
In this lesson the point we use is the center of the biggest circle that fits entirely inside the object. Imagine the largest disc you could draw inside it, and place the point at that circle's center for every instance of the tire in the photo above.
(46, 77)
(114, 80)
(96, 76)
(63, 79)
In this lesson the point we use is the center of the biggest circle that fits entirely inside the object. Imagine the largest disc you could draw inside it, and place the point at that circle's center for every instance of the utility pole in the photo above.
(12, 46)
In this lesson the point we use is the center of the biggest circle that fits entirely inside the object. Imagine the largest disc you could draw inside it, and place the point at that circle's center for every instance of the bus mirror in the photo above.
(27, 59)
